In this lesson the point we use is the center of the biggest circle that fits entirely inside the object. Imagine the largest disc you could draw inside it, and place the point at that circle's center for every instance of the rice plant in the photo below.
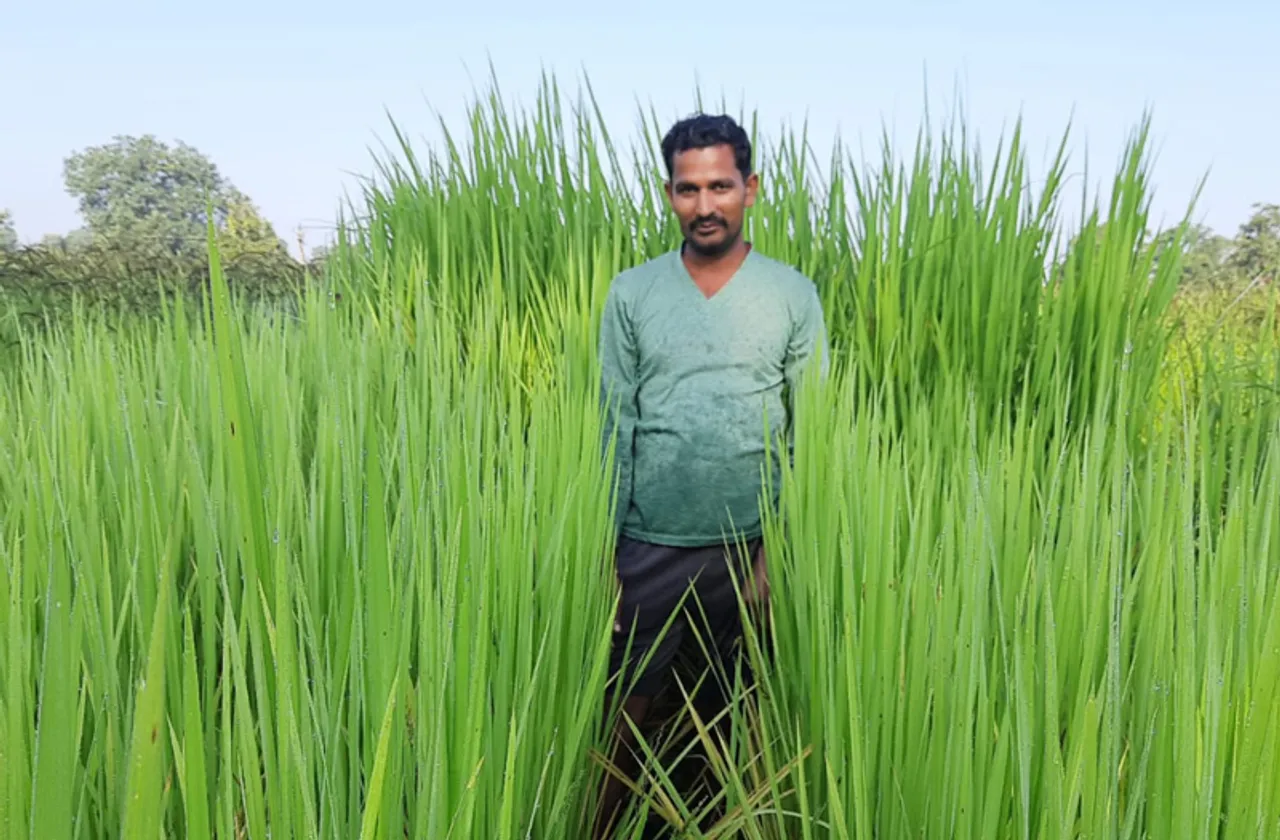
(343, 570)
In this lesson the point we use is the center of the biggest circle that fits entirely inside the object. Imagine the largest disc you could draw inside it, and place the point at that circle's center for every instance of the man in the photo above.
(697, 347)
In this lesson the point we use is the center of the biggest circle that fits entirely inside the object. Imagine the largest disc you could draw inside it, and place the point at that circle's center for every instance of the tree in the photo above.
(1206, 256)
(250, 248)
(1257, 245)
(246, 233)
(8, 233)
(76, 241)
(150, 199)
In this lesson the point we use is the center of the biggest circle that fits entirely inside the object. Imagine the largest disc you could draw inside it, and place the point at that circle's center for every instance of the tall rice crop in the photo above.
(302, 579)
(343, 572)
(1004, 641)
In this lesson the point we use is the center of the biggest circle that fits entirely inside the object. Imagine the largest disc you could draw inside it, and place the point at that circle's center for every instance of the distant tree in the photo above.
(246, 233)
(74, 242)
(78, 240)
(317, 264)
(1257, 246)
(8, 233)
(1206, 256)
(150, 199)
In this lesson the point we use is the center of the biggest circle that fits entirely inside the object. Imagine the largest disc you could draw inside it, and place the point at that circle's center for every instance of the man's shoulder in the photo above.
(635, 279)
(646, 270)
(787, 277)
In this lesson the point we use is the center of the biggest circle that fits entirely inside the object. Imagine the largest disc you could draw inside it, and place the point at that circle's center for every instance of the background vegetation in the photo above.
(144, 205)
(332, 560)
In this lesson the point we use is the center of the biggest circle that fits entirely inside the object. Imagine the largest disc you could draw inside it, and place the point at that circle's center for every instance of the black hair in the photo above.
(702, 131)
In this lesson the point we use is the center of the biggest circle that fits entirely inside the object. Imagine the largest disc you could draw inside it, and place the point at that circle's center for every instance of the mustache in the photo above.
(715, 220)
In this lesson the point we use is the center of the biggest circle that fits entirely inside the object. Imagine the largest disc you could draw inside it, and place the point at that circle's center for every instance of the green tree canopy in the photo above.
(1257, 245)
(1215, 261)
(8, 233)
(151, 199)
(1205, 255)
(77, 241)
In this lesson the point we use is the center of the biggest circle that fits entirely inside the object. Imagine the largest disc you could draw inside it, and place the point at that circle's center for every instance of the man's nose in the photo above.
(706, 206)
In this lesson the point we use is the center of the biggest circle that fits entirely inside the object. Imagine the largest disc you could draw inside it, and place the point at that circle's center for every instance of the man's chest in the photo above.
(745, 328)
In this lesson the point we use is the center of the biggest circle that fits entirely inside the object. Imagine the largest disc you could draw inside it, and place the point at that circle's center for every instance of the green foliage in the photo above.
(45, 281)
(1213, 261)
(145, 205)
(343, 571)
(77, 241)
(1257, 251)
(144, 194)
(931, 272)
(1204, 255)
(245, 232)
(8, 234)
(146, 209)
(1222, 355)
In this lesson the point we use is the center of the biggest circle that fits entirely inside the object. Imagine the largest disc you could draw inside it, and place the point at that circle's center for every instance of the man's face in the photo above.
(709, 197)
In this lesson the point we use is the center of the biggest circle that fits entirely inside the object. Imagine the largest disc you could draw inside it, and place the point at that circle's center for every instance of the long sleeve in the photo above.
(807, 345)
(619, 373)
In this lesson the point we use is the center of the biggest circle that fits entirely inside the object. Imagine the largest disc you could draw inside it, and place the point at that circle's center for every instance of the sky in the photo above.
(293, 100)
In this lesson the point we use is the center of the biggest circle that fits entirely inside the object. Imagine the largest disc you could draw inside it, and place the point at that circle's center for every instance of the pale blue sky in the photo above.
(288, 97)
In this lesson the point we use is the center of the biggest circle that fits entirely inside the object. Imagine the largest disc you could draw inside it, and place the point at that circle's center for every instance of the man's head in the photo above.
(711, 182)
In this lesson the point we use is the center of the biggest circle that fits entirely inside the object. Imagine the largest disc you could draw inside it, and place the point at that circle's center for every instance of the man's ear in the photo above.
(753, 188)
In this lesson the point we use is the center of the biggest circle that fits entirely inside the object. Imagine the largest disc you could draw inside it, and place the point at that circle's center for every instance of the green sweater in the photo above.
(693, 388)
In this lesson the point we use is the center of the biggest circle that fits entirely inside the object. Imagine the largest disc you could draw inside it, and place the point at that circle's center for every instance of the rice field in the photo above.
(342, 571)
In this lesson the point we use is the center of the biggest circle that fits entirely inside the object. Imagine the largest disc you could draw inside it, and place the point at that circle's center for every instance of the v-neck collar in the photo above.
(687, 276)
